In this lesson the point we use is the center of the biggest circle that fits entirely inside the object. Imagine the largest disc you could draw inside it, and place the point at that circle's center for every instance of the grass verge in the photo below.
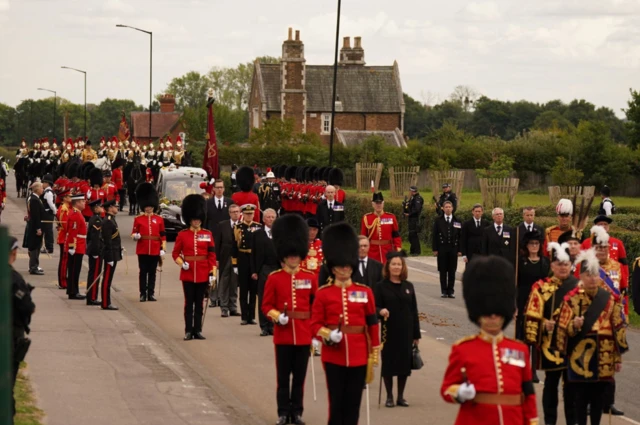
(27, 412)
(634, 318)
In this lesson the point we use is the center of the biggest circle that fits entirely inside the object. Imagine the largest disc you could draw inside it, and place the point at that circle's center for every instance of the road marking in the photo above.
(631, 421)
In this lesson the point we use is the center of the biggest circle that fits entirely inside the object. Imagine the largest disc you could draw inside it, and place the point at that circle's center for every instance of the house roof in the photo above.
(360, 88)
(352, 138)
(161, 123)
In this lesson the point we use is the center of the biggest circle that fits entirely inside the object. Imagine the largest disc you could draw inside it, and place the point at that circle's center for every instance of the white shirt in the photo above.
(219, 202)
(363, 265)
(448, 218)
(529, 227)
(606, 206)
(268, 231)
(48, 196)
(501, 227)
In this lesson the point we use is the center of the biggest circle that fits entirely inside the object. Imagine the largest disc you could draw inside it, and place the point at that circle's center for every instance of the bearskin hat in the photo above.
(488, 287)
(336, 177)
(317, 175)
(119, 161)
(300, 173)
(85, 170)
(244, 178)
(194, 207)
(325, 174)
(309, 173)
(95, 177)
(73, 170)
(281, 171)
(340, 245)
(290, 236)
(290, 173)
(147, 196)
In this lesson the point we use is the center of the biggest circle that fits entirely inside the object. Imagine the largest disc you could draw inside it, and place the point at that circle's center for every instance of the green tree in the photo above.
(190, 90)
(580, 110)
(552, 120)
(7, 125)
(633, 118)
(523, 115)
(491, 117)
(106, 117)
(565, 174)
(415, 117)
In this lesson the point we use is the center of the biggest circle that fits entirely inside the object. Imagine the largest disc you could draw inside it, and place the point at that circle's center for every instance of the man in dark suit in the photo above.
(527, 225)
(499, 238)
(446, 246)
(265, 261)
(217, 206)
(329, 211)
(34, 232)
(369, 270)
(228, 280)
(471, 235)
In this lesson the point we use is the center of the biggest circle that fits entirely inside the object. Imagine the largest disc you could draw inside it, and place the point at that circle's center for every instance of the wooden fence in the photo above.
(400, 178)
(365, 172)
(498, 192)
(569, 192)
(454, 178)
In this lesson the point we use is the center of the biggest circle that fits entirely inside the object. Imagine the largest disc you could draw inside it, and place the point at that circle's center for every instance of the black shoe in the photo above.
(253, 322)
(77, 297)
(143, 298)
(443, 295)
(224, 313)
(282, 420)
(402, 402)
(297, 420)
(110, 307)
(38, 272)
(264, 332)
(152, 298)
(89, 302)
(235, 314)
(451, 296)
(198, 335)
(188, 336)
(244, 322)
(614, 411)
(389, 403)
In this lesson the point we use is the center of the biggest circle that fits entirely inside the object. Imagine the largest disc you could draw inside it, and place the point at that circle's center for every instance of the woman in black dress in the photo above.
(531, 268)
(396, 304)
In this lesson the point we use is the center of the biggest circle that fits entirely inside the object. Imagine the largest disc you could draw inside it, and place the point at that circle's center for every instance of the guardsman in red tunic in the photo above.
(244, 178)
(315, 258)
(95, 193)
(109, 188)
(61, 217)
(288, 296)
(75, 245)
(382, 230)
(116, 166)
(194, 251)
(344, 318)
(488, 374)
(148, 230)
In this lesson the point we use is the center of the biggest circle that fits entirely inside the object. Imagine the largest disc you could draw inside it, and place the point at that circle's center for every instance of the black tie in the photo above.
(477, 224)
(499, 229)
(330, 205)
(362, 268)
(530, 228)
(448, 220)
(219, 204)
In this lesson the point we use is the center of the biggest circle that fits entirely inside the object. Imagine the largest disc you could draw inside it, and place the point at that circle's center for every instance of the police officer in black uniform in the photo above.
(94, 250)
(23, 308)
(243, 265)
(448, 195)
(111, 251)
(412, 208)
(446, 245)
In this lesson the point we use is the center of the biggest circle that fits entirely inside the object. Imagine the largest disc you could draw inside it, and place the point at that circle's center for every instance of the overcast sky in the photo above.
(505, 49)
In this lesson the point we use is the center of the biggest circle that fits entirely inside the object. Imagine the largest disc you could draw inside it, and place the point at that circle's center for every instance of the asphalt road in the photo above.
(239, 365)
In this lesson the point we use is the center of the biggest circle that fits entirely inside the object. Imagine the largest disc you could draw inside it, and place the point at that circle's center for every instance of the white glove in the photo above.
(466, 392)
(185, 266)
(335, 336)
(162, 252)
(212, 279)
(316, 344)
(235, 270)
(110, 263)
(72, 251)
(137, 237)
(283, 319)
(94, 256)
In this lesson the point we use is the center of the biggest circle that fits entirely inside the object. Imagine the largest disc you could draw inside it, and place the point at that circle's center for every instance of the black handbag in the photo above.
(416, 359)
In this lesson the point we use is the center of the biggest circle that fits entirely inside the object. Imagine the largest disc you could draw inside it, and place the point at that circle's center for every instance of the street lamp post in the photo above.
(150, 69)
(55, 100)
(85, 97)
(335, 83)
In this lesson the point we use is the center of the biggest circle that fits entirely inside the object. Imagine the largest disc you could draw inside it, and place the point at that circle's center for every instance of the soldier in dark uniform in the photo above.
(446, 246)
(448, 195)
(243, 264)
(94, 250)
(412, 208)
(269, 193)
(111, 252)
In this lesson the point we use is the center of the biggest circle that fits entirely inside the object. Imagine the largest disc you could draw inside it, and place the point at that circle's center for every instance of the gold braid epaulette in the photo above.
(371, 228)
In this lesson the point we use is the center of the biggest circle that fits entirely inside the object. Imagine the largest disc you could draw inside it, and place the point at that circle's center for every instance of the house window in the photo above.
(325, 123)
(256, 118)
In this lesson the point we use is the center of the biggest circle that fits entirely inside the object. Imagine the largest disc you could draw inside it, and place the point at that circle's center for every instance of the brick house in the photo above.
(369, 98)
(163, 123)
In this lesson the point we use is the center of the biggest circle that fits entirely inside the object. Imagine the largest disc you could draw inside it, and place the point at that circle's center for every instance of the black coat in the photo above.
(214, 215)
(224, 241)
(446, 236)
(373, 273)
(503, 245)
(402, 327)
(94, 236)
(112, 248)
(264, 252)
(522, 230)
(23, 306)
(36, 215)
(326, 217)
(471, 237)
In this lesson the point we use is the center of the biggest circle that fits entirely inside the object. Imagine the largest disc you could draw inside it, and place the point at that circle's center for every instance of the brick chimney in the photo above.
(352, 55)
(293, 93)
(167, 103)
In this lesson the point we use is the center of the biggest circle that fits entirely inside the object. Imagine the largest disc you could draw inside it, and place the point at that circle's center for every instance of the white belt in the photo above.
(82, 236)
